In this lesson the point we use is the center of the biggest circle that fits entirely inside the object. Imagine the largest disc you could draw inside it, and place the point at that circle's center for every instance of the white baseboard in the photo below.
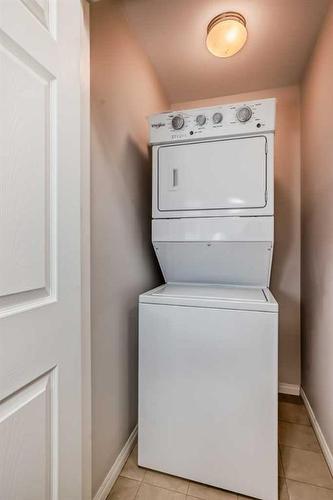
(320, 436)
(115, 470)
(293, 389)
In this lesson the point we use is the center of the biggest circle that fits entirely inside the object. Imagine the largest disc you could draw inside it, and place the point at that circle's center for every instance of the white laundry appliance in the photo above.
(208, 337)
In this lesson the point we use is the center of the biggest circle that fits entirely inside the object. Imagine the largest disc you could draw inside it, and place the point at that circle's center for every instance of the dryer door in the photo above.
(224, 175)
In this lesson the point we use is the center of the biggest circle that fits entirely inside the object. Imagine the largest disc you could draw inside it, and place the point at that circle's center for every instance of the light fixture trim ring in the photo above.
(226, 16)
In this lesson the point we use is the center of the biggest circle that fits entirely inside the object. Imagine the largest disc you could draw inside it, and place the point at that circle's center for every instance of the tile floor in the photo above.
(303, 473)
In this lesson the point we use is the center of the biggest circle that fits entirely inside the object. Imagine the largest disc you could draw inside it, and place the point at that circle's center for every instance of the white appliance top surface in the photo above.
(213, 292)
(208, 295)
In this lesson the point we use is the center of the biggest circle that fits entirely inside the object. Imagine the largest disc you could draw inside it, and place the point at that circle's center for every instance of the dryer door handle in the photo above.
(174, 179)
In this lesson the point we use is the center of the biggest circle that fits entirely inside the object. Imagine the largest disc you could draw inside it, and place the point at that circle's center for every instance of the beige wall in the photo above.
(285, 282)
(124, 90)
(317, 231)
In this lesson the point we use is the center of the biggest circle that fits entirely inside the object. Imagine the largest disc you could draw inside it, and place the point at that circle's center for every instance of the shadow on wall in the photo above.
(136, 173)
(317, 261)
(289, 306)
(129, 171)
(133, 356)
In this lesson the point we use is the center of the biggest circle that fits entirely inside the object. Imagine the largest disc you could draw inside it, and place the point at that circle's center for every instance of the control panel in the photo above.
(217, 121)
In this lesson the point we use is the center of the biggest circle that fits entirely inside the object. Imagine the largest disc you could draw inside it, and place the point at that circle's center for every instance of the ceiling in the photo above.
(281, 36)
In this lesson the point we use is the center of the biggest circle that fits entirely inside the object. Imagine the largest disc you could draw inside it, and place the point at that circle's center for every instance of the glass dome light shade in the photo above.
(226, 34)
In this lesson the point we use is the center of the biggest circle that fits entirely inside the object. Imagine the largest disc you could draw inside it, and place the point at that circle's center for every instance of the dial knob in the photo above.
(244, 114)
(217, 117)
(201, 120)
(177, 122)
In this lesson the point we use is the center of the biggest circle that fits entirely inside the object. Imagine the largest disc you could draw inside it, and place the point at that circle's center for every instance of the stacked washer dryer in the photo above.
(208, 337)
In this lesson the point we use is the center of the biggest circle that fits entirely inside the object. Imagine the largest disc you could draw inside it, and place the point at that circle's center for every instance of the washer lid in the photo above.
(216, 296)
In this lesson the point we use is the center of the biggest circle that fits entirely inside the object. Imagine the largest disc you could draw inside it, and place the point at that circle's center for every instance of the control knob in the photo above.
(244, 114)
(177, 122)
(201, 120)
(217, 118)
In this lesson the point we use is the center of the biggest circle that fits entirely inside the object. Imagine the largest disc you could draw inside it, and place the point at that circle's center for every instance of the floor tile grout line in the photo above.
(295, 423)
(130, 478)
(164, 488)
(136, 494)
(302, 449)
(319, 452)
(283, 472)
(280, 456)
(286, 484)
(308, 484)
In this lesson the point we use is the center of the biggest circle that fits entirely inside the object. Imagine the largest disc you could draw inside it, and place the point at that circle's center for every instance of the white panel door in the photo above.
(226, 174)
(40, 289)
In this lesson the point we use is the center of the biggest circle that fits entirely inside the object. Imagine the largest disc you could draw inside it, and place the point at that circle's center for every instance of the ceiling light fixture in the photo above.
(226, 34)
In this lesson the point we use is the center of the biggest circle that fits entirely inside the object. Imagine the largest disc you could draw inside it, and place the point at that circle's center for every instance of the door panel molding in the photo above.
(44, 12)
(28, 253)
(29, 433)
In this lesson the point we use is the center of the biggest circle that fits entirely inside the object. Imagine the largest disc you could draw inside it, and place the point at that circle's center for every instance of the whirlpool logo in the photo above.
(158, 125)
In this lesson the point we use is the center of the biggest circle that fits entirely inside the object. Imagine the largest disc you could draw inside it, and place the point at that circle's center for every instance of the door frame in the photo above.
(85, 254)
